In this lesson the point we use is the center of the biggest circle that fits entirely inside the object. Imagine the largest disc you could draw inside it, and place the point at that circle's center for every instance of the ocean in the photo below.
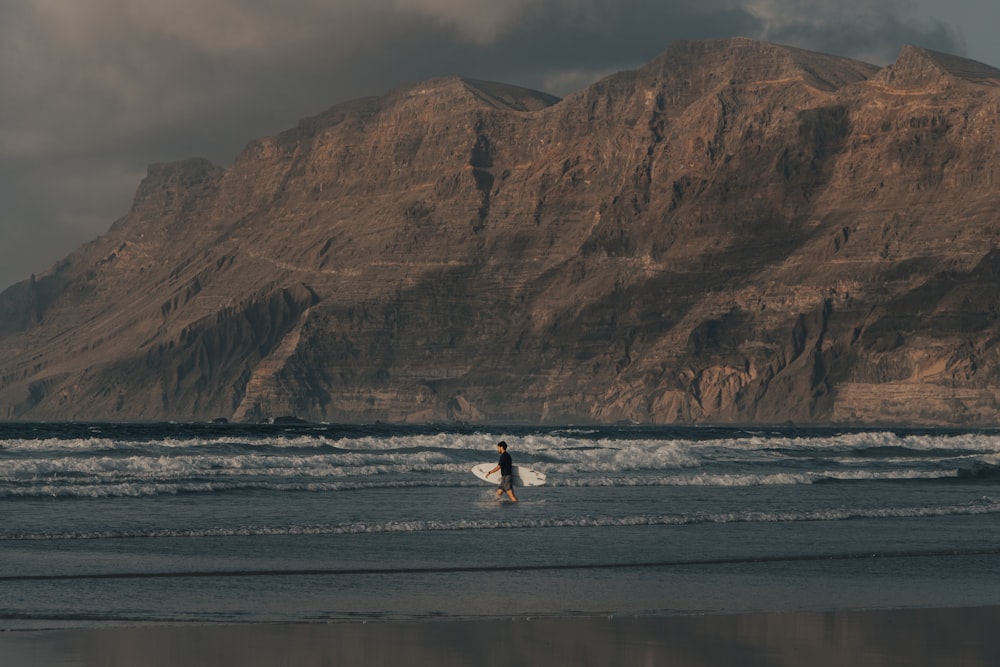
(109, 524)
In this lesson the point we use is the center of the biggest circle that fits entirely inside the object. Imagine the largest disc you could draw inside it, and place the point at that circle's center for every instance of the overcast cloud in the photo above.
(94, 90)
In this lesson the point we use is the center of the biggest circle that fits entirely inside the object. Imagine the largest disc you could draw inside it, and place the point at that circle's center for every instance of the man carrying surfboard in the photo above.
(506, 468)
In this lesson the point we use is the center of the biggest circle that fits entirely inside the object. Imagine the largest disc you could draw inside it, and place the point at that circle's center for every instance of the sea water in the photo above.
(147, 523)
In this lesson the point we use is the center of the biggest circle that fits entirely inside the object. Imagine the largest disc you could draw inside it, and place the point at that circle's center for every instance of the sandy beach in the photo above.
(956, 636)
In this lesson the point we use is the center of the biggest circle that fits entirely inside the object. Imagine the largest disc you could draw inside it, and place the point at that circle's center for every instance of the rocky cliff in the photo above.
(735, 232)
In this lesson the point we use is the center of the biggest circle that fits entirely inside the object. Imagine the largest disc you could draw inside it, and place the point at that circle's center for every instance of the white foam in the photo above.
(980, 507)
(100, 467)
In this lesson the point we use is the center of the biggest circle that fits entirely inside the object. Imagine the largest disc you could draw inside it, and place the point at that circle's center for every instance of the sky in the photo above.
(93, 91)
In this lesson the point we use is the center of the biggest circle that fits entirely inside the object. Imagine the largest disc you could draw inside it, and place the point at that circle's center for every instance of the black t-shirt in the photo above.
(506, 464)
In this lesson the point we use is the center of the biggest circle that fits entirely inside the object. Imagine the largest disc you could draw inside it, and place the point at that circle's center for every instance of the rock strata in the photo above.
(737, 232)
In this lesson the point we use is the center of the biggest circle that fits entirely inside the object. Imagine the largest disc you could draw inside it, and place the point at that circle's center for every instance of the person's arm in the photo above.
(495, 468)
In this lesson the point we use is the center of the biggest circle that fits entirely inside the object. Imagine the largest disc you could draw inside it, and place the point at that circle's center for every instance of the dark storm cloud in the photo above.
(94, 91)
(870, 31)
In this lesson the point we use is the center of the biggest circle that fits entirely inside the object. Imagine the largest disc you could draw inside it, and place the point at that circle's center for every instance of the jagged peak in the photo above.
(918, 67)
(493, 94)
(503, 95)
(741, 60)
(179, 173)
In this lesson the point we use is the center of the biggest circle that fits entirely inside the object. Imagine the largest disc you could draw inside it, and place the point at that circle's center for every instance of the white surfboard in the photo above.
(523, 476)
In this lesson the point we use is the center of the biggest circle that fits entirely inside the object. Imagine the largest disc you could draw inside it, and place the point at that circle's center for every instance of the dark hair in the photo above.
(502, 444)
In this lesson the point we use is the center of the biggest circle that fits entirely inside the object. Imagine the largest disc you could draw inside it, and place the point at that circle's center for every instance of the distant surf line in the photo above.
(979, 507)
(475, 569)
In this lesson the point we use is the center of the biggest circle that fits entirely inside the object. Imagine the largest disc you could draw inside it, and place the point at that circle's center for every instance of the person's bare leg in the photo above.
(512, 496)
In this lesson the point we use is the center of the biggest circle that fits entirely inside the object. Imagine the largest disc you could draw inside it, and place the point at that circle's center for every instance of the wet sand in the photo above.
(964, 636)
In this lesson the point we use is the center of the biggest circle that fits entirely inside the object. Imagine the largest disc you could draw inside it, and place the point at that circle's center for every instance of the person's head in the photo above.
(501, 446)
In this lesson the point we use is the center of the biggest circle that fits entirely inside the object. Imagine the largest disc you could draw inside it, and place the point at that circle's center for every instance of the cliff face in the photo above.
(736, 232)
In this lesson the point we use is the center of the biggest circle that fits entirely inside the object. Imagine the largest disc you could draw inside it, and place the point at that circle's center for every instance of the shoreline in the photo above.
(912, 636)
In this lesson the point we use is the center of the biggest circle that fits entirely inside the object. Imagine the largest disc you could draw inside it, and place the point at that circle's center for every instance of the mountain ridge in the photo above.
(917, 67)
(735, 232)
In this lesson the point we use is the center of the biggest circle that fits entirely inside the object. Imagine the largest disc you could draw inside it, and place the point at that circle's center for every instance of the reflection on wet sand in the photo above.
(911, 637)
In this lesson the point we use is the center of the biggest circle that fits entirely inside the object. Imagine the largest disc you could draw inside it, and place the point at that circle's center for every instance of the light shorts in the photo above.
(506, 483)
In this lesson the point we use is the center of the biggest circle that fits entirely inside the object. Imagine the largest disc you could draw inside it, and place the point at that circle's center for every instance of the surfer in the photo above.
(506, 468)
